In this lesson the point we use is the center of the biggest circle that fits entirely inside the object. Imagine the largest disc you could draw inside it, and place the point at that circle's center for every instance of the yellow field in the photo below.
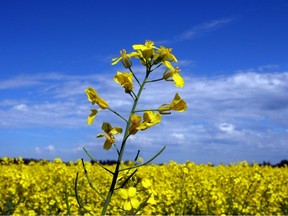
(40, 188)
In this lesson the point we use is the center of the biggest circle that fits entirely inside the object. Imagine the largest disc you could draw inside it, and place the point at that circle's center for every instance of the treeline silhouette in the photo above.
(26, 161)
(44, 161)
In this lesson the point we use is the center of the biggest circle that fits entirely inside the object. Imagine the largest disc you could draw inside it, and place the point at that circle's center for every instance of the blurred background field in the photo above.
(41, 188)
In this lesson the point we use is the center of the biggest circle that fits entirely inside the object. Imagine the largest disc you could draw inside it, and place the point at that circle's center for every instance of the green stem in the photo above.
(134, 94)
(156, 80)
(93, 159)
(151, 159)
(146, 110)
(117, 114)
(156, 67)
(134, 76)
(126, 135)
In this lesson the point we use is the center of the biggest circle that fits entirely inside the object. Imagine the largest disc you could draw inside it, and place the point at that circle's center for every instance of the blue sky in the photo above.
(232, 54)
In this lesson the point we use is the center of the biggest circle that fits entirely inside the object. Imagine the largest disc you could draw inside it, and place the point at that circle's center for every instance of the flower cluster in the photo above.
(152, 58)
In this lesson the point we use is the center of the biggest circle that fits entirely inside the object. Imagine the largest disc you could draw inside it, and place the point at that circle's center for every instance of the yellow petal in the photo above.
(151, 200)
(146, 183)
(179, 81)
(135, 122)
(176, 98)
(127, 206)
(150, 119)
(133, 54)
(116, 60)
(92, 116)
(106, 127)
(101, 135)
(102, 103)
(91, 94)
(172, 57)
(108, 143)
(125, 80)
(135, 203)
(123, 193)
(131, 191)
(135, 118)
(94, 98)
(168, 65)
(178, 104)
(116, 130)
(181, 106)
(138, 47)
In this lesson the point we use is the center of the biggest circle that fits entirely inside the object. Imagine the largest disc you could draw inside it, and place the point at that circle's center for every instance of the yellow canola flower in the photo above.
(177, 104)
(130, 198)
(92, 116)
(149, 119)
(94, 98)
(164, 54)
(146, 183)
(174, 73)
(125, 58)
(110, 139)
(125, 80)
(146, 50)
(135, 122)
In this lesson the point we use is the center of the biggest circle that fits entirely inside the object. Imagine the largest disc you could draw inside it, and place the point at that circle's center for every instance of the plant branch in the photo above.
(145, 162)
(90, 156)
(146, 110)
(156, 80)
(117, 114)
(134, 76)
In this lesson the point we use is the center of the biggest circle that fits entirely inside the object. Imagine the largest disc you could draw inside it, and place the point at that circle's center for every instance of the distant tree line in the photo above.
(282, 163)
(44, 161)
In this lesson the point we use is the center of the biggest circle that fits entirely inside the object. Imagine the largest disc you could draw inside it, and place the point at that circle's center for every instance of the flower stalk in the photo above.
(117, 169)
(150, 56)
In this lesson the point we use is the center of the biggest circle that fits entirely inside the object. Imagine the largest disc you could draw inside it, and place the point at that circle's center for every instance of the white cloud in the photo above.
(178, 136)
(226, 127)
(21, 107)
(18, 82)
(203, 28)
(198, 30)
(50, 148)
(246, 109)
(44, 149)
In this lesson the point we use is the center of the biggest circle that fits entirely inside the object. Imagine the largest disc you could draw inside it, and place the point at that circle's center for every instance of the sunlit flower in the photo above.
(146, 183)
(174, 73)
(129, 195)
(149, 119)
(125, 80)
(94, 98)
(125, 58)
(146, 50)
(110, 139)
(92, 116)
(135, 122)
(164, 54)
(177, 104)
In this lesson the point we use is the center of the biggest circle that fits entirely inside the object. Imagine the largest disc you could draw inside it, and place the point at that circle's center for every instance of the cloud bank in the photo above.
(242, 115)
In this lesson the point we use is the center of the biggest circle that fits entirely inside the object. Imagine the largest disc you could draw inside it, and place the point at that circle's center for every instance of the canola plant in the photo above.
(48, 188)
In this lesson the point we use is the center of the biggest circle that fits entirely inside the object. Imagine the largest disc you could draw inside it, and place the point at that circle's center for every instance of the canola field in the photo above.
(47, 188)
